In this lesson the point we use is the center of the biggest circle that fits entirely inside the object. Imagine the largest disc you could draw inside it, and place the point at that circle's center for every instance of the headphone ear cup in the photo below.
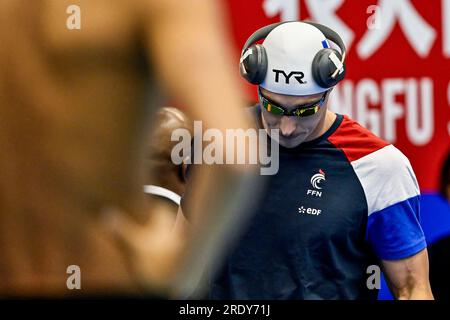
(254, 66)
(323, 68)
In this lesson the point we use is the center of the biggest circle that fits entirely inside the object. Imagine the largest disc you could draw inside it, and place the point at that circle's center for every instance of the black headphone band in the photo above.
(329, 34)
(260, 34)
(264, 31)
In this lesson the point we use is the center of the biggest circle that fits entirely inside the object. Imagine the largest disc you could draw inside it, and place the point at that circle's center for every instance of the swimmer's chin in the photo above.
(292, 142)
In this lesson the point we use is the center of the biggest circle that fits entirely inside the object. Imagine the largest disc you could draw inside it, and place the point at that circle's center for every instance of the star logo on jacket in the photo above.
(309, 211)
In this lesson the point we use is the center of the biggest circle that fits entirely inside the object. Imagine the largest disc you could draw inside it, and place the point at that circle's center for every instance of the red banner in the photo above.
(398, 66)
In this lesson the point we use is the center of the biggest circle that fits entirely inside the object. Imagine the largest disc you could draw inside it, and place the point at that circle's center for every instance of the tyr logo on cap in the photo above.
(299, 76)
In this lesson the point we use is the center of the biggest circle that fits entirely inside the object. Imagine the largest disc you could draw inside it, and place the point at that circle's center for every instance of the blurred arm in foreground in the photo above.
(73, 128)
(192, 52)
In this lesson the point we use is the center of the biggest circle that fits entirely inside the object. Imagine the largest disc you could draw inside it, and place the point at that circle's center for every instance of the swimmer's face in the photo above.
(293, 129)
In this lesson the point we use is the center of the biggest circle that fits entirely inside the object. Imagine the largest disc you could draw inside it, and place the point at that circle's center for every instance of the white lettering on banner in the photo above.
(379, 25)
(392, 110)
(419, 135)
(411, 23)
(375, 106)
(288, 9)
(325, 12)
(446, 27)
(322, 11)
(367, 93)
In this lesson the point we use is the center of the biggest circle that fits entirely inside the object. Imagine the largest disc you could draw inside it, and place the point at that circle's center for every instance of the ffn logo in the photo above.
(316, 179)
(298, 75)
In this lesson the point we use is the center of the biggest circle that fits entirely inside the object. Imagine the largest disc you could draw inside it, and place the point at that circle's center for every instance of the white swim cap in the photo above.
(291, 48)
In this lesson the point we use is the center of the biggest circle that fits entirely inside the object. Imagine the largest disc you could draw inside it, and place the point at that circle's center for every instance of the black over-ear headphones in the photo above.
(325, 70)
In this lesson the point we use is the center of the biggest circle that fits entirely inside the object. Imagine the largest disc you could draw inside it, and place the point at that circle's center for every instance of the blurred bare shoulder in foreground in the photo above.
(73, 129)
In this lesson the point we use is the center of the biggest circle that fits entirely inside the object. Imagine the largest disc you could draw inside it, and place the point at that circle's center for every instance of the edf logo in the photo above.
(298, 75)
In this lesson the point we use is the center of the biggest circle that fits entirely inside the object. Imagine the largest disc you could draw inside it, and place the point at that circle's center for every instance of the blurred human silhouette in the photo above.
(74, 123)
(166, 182)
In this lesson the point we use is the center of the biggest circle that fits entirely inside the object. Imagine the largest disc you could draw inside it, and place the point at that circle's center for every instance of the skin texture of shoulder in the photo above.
(73, 130)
